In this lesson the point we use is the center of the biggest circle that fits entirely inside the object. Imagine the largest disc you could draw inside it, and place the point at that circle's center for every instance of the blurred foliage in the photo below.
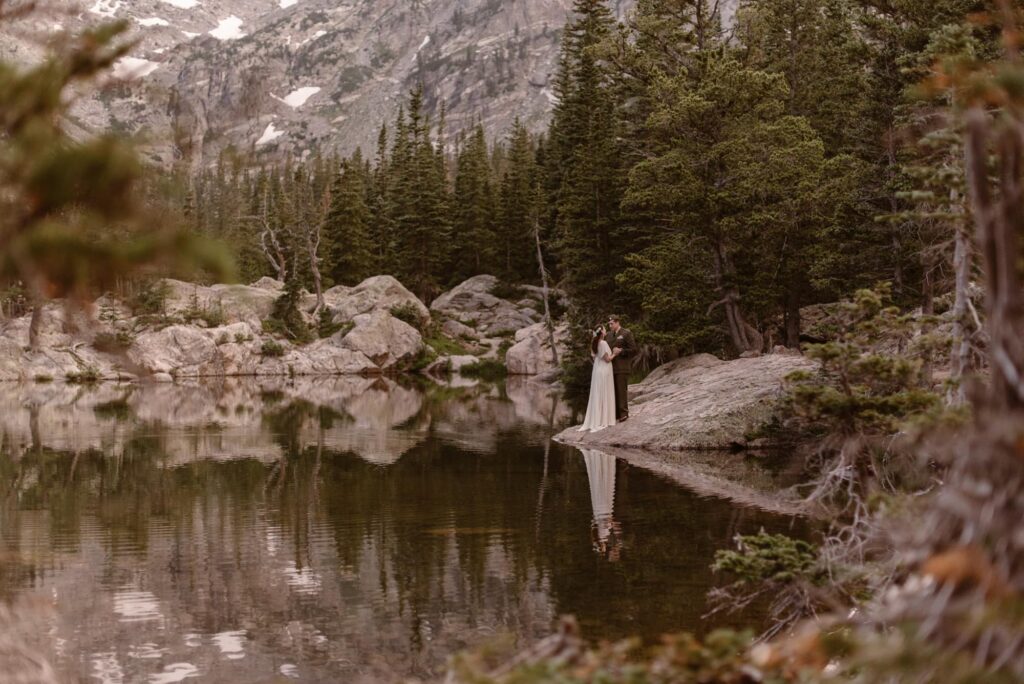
(720, 658)
(74, 216)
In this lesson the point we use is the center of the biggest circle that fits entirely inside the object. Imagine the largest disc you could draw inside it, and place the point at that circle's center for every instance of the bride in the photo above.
(601, 409)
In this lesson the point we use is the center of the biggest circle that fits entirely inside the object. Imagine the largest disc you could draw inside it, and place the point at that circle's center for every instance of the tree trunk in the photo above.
(961, 351)
(313, 247)
(544, 286)
(927, 286)
(999, 222)
(745, 338)
(792, 319)
(897, 247)
(34, 323)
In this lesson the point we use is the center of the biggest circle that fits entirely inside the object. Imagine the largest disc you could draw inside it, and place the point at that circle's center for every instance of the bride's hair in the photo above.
(595, 339)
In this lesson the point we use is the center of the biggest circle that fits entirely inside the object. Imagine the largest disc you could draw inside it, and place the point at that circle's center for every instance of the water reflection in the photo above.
(601, 474)
(338, 530)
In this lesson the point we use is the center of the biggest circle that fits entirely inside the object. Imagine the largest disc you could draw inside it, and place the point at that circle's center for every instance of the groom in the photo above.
(622, 365)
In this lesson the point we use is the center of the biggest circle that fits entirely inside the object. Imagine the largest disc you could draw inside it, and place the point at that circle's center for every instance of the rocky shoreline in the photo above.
(699, 403)
(375, 328)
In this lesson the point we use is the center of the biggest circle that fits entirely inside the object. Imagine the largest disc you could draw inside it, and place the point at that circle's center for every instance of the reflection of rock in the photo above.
(472, 304)
(531, 354)
(537, 404)
(383, 426)
(451, 364)
(385, 340)
(699, 402)
(379, 293)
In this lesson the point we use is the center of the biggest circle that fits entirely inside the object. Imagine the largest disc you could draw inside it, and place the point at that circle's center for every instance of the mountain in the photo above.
(290, 76)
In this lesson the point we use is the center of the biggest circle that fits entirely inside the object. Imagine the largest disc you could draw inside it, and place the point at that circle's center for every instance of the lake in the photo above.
(335, 530)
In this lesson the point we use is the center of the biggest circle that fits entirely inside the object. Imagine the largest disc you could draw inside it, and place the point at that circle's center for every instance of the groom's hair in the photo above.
(617, 319)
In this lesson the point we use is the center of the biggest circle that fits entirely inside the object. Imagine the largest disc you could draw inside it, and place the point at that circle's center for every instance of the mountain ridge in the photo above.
(289, 77)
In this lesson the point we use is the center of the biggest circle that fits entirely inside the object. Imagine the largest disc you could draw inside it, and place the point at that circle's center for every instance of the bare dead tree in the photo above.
(548, 322)
(313, 228)
(269, 240)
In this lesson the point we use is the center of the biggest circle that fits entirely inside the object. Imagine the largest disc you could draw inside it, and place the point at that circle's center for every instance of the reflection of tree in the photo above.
(412, 560)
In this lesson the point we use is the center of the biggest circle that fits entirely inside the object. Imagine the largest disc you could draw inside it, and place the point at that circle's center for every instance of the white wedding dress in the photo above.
(601, 409)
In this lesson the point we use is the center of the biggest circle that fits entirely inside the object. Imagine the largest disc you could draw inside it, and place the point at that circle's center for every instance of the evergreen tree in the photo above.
(418, 192)
(731, 175)
(518, 209)
(350, 248)
(473, 210)
(587, 176)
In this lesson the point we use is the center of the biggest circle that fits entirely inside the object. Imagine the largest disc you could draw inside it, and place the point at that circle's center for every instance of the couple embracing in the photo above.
(613, 351)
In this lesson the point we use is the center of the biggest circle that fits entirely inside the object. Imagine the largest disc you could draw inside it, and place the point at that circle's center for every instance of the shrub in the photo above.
(85, 376)
(149, 298)
(241, 338)
(13, 302)
(212, 317)
(407, 313)
(326, 325)
(505, 345)
(43, 378)
(285, 318)
(444, 345)
(272, 348)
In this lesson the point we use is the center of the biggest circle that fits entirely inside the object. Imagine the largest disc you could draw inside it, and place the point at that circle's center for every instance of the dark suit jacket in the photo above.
(623, 363)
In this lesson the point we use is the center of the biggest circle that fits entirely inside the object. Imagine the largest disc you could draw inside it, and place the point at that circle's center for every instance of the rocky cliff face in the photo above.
(289, 76)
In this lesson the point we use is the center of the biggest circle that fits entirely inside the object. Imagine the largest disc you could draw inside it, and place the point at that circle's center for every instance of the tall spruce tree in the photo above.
(418, 188)
(350, 249)
(588, 178)
(473, 234)
(517, 208)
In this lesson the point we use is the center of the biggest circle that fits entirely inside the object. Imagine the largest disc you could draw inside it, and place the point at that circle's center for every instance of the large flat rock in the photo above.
(698, 402)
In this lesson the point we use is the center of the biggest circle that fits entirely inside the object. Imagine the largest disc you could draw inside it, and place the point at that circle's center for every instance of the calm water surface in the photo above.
(341, 530)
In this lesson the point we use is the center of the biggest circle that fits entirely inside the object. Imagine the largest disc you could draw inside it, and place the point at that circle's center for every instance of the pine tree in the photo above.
(733, 176)
(585, 175)
(347, 230)
(518, 208)
(473, 210)
(418, 197)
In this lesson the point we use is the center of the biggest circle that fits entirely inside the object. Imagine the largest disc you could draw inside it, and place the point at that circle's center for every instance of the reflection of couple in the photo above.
(613, 353)
(606, 533)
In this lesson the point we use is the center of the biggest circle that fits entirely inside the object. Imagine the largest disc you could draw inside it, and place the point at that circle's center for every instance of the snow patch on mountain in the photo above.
(269, 135)
(154, 21)
(228, 29)
(297, 98)
(182, 4)
(285, 4)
